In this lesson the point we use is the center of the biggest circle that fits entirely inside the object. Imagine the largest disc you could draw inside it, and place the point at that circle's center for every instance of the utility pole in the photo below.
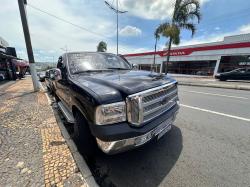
(117, 11)
(26, 33)
(117, 33)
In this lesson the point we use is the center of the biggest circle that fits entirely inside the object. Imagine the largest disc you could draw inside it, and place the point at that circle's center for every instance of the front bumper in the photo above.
(162, 126)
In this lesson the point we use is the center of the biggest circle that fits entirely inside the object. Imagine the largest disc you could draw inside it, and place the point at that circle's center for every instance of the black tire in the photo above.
(56, 98)
(48, 88)
(223, 79)
(83, 137)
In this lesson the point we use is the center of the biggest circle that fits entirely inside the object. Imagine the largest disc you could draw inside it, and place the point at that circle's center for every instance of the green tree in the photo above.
(102, 47)
(185, 12)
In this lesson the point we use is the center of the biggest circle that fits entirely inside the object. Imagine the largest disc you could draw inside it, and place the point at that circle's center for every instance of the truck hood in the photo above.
(115, 86)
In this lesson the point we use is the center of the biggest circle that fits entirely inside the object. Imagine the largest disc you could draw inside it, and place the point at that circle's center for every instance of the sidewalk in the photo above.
(32, 149)
(211, 82)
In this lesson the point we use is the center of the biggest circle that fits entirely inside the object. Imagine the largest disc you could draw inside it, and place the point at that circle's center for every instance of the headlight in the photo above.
(110, 113)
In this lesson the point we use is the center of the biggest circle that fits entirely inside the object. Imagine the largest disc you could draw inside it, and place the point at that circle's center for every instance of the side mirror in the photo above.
(52, 76)
(57, 74)
(46, 75)
(135, 66)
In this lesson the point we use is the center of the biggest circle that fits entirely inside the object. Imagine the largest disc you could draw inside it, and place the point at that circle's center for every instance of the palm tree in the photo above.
(157, 37)
(102, 47)
(185, 11)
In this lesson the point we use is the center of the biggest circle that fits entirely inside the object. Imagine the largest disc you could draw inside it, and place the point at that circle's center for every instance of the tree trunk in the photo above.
(152, 68)
(168, 55)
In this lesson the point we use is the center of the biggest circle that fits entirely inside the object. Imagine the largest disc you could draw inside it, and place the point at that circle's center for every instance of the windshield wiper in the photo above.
(92, 70)
(119, 68)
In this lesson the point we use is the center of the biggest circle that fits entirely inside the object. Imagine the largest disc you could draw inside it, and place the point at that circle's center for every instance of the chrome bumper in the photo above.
(119, 146)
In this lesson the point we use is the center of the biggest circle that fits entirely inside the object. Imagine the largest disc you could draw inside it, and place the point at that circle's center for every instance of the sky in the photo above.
(91, 21)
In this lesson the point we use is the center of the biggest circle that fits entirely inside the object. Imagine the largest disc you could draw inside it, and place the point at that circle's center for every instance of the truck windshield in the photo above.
(87, 62)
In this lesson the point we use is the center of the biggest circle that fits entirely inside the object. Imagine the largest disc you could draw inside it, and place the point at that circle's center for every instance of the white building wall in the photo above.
(195, 56)
(200, 55)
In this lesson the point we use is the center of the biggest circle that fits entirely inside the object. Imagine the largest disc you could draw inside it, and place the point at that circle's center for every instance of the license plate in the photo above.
(162, 127)
(164, 131)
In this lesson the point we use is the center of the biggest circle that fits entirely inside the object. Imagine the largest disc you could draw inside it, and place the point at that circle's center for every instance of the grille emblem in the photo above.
(164, 101)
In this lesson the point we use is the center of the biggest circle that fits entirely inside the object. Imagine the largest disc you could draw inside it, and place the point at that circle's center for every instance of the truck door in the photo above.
(62, 85)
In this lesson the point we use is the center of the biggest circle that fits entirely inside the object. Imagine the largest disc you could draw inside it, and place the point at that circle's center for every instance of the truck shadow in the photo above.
(146, 166)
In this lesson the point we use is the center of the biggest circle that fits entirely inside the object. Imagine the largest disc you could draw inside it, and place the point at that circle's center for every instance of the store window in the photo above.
(229, 63)
(205, 68)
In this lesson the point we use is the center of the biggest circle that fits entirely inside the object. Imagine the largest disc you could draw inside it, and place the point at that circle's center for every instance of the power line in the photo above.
(68, 22)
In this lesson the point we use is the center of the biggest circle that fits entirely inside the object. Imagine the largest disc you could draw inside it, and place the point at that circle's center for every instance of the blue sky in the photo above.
(219, 18)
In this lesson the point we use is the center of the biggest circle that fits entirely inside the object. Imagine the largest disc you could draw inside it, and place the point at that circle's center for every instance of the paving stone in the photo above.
(20, 165)
(33, 151)
(24, 170)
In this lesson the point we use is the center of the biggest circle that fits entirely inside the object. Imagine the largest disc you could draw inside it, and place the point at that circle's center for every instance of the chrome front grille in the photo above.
(146, 105)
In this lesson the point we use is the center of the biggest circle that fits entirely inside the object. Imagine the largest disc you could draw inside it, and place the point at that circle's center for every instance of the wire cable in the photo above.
(68, 22)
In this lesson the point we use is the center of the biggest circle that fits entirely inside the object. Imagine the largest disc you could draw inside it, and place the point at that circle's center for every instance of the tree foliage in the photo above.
(184, 15)
(102, 47)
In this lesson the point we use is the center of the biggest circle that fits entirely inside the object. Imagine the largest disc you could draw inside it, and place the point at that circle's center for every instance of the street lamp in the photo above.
(65, 49)
(117, 11)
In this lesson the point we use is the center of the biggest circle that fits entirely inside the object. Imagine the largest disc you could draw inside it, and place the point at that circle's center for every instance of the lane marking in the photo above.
(221, 95)
(218, 113)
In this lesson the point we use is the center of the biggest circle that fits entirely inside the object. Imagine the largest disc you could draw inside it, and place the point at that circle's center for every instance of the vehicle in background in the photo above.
(202, 73)
(2, 77)
(49, 78)
(21, 67)
(111, 104)
(41, 76)
(237, 74)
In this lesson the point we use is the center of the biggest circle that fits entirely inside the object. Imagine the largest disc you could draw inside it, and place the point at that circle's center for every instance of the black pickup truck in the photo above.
(111, 105)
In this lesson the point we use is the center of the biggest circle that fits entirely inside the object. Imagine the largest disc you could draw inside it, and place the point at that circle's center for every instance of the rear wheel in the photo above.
(56, 98)
(83, 137)
(223, 79)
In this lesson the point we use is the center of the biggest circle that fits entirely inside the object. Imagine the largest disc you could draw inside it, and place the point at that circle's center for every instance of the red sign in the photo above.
(188, 51)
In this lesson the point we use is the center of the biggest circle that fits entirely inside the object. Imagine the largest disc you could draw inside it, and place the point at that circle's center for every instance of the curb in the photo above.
(80, 162)
(235, 87)
(7, 84)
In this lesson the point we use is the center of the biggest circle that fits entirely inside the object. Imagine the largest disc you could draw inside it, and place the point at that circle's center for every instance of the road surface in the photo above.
(209, 145)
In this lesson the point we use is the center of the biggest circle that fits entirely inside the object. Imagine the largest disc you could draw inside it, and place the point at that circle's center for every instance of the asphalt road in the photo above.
(209, 145)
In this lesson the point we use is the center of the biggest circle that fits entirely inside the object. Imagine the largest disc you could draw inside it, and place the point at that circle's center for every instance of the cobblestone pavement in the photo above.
(32, 149)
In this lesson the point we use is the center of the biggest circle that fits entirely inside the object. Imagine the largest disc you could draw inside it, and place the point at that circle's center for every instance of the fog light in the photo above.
(142, 139)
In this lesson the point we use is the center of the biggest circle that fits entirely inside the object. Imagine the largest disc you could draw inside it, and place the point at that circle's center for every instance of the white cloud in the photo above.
(48, 34)
(151, 9)
(217, 28)
(244, 29)
(130, 31)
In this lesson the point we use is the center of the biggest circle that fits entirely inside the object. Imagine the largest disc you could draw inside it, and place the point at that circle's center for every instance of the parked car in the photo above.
(237, 74)
(41, 76)
(49, 78)
(2, 75)
(110, 104)
(202, 73)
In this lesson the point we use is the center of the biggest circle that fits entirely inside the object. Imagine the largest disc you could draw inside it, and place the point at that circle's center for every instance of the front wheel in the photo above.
(83, 136)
